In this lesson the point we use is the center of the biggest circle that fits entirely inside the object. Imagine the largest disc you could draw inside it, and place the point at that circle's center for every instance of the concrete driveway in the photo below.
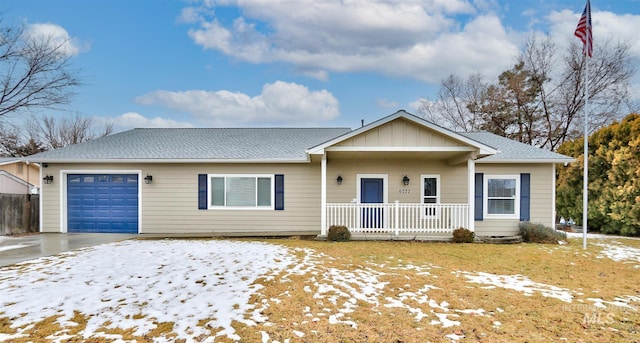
(19, 249)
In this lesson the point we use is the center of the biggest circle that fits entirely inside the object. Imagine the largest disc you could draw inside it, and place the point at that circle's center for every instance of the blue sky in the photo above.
(150, 63)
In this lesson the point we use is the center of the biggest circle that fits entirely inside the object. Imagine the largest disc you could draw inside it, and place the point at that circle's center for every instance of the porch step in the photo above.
(499, 239)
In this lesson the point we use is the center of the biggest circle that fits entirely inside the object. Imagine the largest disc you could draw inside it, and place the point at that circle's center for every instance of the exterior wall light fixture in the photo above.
(148, 179)
(405, 180)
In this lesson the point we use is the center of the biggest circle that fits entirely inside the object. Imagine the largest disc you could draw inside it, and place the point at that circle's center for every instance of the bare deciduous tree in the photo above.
(13, 144)
(540, 100)
(452, 108)
(55, 133)
(48, 133)
(34, 72)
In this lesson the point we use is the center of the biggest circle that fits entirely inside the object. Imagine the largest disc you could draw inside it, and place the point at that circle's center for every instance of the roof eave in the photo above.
(172, 160)
(524, 160)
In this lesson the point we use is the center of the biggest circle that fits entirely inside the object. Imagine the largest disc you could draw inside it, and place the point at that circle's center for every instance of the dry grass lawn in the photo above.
(521, 318)
(422, 292)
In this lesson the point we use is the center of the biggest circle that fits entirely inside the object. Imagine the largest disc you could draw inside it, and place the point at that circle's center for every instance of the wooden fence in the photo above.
(19, 214)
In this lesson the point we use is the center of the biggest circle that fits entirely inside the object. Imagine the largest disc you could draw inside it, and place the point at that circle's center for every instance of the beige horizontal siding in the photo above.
(170, 203)
(542, 211)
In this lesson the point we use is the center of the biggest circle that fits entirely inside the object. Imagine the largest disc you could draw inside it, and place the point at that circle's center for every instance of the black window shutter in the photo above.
(202, 191)
(279, 192)
(478, 198)
(525, 197)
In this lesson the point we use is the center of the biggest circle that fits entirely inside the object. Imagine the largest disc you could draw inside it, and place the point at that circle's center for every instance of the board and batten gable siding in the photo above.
(541, 196)
(170, 203)
(453, 179)
(400, 133)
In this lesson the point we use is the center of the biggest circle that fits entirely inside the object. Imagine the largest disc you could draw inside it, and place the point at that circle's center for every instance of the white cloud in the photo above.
(189, 15)
(425, 40)
(131, 120)
(416, 106)
(405, 39)
(606, 25)
(280, 103)
(56, 36)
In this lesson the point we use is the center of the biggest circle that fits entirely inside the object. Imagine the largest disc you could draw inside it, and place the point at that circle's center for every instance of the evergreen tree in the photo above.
(614, 178)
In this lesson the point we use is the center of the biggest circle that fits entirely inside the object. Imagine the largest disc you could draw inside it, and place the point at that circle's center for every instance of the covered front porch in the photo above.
(399, 177)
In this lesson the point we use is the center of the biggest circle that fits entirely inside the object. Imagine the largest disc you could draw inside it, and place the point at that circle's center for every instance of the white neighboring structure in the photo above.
(12, 184)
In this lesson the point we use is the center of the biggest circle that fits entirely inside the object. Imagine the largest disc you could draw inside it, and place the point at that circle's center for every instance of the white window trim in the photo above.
(430, 176)
(247, 208)
(385, 194)
(485, 198)
(385, 182)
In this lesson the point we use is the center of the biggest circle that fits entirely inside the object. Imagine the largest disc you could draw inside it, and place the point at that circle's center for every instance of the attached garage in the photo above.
(106, 203)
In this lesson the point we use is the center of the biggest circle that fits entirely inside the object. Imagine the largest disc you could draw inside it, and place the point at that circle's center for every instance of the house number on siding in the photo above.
(404, 191)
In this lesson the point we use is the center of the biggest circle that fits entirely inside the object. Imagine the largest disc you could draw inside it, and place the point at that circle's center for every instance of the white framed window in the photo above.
(430, 193)
(243, 191)
(502, 196)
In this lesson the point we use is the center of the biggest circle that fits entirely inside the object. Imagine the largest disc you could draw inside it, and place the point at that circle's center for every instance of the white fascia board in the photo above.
(15, 178)
(124, 161)
(544, 160)
(400, 149)
(10, 162)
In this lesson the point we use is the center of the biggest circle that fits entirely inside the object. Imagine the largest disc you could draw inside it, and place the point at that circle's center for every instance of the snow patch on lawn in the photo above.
(338, 291)
(623, 302)
(131, 285)
(620, 253)
(519, 283)
(139, 284)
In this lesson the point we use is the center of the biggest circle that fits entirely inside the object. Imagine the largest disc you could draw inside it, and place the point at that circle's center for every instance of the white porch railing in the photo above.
(399, 217)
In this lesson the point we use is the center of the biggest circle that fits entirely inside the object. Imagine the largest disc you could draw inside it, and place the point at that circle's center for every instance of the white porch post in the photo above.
(471, 173)
(323, 195)
(396, 214)
(553, 196)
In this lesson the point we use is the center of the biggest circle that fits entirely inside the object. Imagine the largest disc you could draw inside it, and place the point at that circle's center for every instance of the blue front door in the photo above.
(372, 192)
(102, 203)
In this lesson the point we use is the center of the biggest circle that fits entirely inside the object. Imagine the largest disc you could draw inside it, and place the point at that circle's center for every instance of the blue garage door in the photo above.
(102, 203)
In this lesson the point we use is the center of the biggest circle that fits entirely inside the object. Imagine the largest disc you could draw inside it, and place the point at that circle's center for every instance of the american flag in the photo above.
(583, 30)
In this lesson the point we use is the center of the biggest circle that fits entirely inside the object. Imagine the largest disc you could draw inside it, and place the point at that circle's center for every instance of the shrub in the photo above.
(462, 235)
(538, 233)
(338, 233)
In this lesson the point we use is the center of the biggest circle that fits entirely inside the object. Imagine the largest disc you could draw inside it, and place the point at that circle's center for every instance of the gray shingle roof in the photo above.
(249, 145)
(245, 144)
(513, 151)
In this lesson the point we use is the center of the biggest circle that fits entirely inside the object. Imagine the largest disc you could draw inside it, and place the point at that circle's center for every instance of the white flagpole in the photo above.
(585, 190)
